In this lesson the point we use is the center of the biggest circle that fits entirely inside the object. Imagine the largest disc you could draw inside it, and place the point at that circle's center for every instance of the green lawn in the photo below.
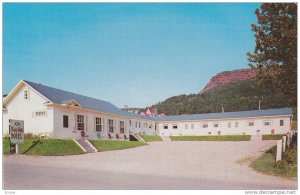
(287, 167)
(107, 145)
(151, 138)
(47, 147)
(272, 136)
(5, 146)
(212, 138)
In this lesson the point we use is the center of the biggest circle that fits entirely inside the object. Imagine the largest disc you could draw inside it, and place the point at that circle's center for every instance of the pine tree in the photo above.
(275, 54)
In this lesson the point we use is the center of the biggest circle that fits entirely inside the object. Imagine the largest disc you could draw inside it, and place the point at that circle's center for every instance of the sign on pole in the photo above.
(16, 131)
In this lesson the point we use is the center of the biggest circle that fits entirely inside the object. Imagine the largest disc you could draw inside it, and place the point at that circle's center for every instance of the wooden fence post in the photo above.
(283, 143)
(279, 150)
(288, 141)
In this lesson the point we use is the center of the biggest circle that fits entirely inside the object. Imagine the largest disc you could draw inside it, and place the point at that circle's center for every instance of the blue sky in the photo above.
(127, 53)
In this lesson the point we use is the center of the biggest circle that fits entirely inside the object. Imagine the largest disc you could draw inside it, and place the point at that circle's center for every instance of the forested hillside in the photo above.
(237, 96)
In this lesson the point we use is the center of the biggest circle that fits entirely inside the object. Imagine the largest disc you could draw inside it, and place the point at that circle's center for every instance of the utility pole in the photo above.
(258, 104)
(223, 109)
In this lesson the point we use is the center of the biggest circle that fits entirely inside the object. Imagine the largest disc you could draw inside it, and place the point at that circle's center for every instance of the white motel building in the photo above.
(64, 114)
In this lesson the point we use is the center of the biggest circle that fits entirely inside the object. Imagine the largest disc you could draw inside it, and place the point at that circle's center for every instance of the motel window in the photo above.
(65, 121)
(110, 125)
(166, 127)
(26, 95)
(267, 123)
(98, 124)
(122, 127)
(175, 126)
(39, 114)
(236, 124)
(229, 124)
(216, 124)
(205, 125)
(186, 126)
(139, 124)
(129, 122)
(136, 124)
(251, 123)
(80, 122)
(150, 126)
(281, 122)
(192, 126)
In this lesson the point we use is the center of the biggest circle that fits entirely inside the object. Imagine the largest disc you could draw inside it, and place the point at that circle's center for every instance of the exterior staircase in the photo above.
(86, 146)
(138, 137)
(256, 138)
(166, 138)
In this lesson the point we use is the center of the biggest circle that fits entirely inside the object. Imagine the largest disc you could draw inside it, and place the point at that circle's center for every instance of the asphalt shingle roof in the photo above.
(240, 114)
(59, 96)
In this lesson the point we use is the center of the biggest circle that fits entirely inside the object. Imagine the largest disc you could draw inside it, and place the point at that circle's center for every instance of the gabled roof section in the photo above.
(71, 102)
(16, 89)
(59, 96)
(228, 115)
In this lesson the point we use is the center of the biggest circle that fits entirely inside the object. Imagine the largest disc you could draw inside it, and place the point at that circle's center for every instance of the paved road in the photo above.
(160, 165)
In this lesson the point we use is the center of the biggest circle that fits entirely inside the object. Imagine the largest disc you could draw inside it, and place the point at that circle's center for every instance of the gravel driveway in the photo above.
(159, 165)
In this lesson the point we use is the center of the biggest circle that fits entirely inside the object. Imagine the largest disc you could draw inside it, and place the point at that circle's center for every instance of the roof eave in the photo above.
(211, 119)
(17, 88)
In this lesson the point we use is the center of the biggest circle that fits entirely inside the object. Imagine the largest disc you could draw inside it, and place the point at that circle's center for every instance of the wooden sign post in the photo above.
(16, 133)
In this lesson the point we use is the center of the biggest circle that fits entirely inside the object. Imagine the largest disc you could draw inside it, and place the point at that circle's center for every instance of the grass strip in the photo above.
(47, 147)
(151, 138)
(108, 145)
(272, 136)
(212, 138)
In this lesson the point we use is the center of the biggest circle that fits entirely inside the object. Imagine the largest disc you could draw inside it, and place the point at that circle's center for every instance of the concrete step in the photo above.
(89, 148)
(165, 138)
(138, 137)
(256, 138)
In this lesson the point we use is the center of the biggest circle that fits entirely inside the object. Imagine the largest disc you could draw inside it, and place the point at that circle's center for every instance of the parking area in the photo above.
(159, 165)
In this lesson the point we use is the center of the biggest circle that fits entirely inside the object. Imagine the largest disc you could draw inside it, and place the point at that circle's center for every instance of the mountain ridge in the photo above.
(227, 77)
(232, 91)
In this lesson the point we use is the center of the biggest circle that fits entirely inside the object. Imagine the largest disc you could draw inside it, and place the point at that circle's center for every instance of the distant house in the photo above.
(149, 112)
(65, 114)
(132, 110)
(144, 112)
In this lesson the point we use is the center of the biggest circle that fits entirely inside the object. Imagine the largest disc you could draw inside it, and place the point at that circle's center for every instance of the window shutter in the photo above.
(76, 128)
(95, 126)
(117, 126)
(103, 123)
(125, 126)
(86, 123)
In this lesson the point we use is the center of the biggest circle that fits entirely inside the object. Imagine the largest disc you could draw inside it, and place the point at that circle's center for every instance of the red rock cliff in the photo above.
(226, 77)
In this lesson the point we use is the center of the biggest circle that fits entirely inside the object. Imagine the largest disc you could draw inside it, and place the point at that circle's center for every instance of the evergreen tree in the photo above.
(275, 54)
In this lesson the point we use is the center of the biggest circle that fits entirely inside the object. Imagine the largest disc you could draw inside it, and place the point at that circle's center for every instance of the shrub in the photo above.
(286, 167)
